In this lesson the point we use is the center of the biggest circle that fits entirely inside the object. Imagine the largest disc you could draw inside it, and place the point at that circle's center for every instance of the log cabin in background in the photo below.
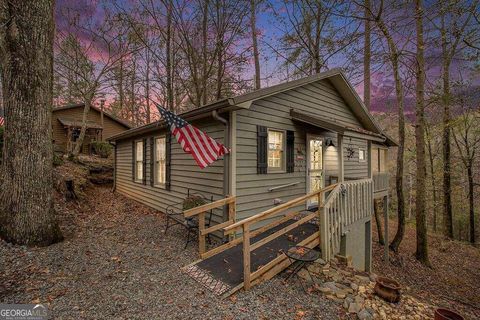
(67, 123)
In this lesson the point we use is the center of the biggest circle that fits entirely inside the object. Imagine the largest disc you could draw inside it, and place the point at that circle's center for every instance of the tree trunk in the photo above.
(79, 143)
(394, 57)
(366, 58)
(256, 56)
(147, 86)
(366, 97)
(168, 48)
(447, 184)
(434, 186)
(471, 199)
(420, 203)
(27, 214)
(204, 52)
(378, 221)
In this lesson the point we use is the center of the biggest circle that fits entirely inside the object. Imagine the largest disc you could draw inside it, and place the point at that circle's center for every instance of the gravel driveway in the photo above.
(117, 262)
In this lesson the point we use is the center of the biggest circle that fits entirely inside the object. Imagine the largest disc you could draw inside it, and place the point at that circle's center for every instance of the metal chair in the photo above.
(174, 216)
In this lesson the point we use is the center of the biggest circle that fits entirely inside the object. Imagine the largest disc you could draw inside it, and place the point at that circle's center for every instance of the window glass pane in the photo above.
(315, 154)
(139, 170)
(275, 149)
(361, 155)
(160, 156)
(139, 152)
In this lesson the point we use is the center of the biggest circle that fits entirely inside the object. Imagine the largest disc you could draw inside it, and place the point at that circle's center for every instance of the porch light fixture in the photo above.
(329, 143)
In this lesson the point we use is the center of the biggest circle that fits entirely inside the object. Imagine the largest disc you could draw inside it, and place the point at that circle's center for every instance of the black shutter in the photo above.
(290, 151)
(133, 160)
(152, 161)
(144, 161)
(262, 149)
(168, 160)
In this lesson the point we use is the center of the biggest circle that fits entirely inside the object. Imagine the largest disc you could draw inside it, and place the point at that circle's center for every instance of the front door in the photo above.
(315, 175)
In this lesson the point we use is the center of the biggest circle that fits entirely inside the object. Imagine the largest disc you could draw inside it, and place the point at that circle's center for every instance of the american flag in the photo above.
(203, 148)
(2, 121)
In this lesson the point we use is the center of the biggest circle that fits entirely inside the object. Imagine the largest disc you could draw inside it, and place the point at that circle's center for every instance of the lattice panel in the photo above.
(203, 277)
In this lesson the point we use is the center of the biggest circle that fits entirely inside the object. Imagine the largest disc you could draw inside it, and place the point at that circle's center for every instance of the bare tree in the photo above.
(256, 55)
(421, 171)
(312, 35)
(394, 58)
(455, 17)
(27, 214)
(366, 97)
(466, 134)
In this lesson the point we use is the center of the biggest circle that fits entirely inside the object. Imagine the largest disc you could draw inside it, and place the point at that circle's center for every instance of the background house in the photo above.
(67, 122)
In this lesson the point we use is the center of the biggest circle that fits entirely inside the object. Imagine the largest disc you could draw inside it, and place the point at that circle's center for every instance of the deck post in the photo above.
(246, 257)
(201, 235)
(322, 218)
(232, 217)
(340, 158)
(385, 216)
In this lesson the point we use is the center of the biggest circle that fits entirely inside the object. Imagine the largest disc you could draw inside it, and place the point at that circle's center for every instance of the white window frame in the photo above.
(360, 150)
(283, 166)
(137, 178)
(156, 162)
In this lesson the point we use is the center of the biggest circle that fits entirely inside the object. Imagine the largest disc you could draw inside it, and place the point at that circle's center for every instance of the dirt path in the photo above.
(117, 262)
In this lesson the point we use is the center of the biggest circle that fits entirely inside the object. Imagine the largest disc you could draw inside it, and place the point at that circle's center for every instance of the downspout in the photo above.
(226, 158)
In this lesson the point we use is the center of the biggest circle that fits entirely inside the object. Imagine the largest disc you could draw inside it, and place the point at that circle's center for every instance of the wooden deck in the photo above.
(256, 255)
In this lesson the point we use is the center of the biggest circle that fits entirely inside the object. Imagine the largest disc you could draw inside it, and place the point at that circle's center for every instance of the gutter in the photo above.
(226, 157)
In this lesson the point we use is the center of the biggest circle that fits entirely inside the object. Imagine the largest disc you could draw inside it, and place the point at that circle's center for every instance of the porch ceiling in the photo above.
(335, 126)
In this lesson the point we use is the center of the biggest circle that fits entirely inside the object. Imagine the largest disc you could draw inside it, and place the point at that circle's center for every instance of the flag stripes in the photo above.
(204, 149)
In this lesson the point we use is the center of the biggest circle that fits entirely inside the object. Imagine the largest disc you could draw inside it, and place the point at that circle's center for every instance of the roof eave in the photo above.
(202, 112)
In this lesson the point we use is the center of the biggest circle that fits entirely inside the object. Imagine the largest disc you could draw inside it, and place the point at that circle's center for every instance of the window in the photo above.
(362, 155)
(160, 160)
(275, 150)
(139, 161)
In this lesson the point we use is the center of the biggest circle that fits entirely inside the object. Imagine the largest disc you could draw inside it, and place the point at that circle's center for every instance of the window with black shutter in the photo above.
(144, 164)
(133, 160)
(168, 160)
(152, 161)
(290, 151)
(262, 149)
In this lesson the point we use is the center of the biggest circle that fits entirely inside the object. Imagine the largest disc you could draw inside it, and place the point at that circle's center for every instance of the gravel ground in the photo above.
(116, 261)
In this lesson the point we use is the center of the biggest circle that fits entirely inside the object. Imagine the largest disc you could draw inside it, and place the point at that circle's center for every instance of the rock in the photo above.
(364, 315)
(361, 289)
(360, 300)
(332, 285)
(362, 279)
(315, 268)
(341, 295)
(373, 277)
(346, 302)
(304, 275)
(354, 307)
(354, 286)
(325, 290)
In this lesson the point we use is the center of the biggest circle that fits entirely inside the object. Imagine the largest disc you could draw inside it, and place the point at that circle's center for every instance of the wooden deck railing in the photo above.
(348, 203)
(279, 263)
(201, 211)
(381, 181)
